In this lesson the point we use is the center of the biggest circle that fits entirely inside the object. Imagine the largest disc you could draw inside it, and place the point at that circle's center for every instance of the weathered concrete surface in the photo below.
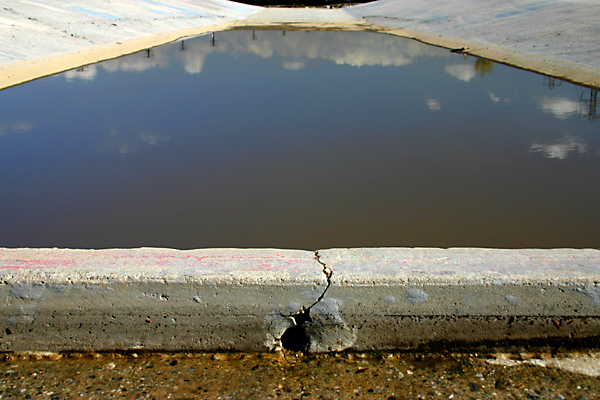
(152, 298)
(405, 298)
(44, 37)
(246, 300)
(558, 29)
(32, 29)
(555, 37)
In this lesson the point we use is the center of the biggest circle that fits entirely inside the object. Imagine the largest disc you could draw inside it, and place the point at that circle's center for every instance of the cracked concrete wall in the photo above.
(155, 299)
(407, 298)
(174, 316)
(329, 300)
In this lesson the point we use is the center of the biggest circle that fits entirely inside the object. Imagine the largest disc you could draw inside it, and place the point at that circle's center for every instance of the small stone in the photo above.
(473, 387)
(111, 365)
(500, 384)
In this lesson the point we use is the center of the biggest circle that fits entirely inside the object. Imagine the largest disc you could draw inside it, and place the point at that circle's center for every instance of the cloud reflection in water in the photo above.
(348, 48)
(561, 148)
(297, 49)
(560, 107)
(129, 142)
(15, 127)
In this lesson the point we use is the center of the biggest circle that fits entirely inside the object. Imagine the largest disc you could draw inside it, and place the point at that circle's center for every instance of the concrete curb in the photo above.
(259, 300)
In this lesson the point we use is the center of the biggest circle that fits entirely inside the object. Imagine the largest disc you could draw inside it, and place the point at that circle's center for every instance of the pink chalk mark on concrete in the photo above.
(38, 264)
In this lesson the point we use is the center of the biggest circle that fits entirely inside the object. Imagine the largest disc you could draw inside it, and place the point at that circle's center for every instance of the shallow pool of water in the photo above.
(298, 140)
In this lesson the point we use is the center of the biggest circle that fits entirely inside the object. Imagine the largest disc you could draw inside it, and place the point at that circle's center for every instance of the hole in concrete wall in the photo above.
(296, 337)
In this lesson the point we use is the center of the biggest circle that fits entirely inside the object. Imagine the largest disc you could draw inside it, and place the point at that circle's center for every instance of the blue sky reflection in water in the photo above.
(298, 140)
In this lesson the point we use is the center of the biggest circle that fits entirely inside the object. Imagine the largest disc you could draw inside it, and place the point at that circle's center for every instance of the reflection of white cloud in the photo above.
(295, 48)
(296, 65)
(434, 105)
(20, 127)
(153, 138)
(560, 149)
(559, 106)
(127, 143)
(16, 127)
(496, 99)
(193, 62)
(350, 48)
(87, 73)
(141, 61)
(463, 72)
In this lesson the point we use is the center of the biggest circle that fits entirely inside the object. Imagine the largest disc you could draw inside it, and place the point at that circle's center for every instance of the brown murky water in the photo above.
(299, 140)
(285, 376)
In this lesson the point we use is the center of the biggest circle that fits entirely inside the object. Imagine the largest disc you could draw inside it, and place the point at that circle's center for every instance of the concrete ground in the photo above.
(556, 37)
(295, 376)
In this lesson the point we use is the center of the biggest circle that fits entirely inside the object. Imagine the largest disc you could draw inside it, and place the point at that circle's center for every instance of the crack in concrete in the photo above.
(316, 328)
(328, 274)
(303, 314)
(296, 337)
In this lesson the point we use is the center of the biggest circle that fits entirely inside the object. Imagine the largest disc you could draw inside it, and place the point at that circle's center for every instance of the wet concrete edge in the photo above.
(579, 74)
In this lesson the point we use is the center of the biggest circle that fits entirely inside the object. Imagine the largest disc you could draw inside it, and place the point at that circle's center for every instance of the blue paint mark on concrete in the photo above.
(435, 18)
(182, 10)
(94, 13)
(522, 11)
(168, 14)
